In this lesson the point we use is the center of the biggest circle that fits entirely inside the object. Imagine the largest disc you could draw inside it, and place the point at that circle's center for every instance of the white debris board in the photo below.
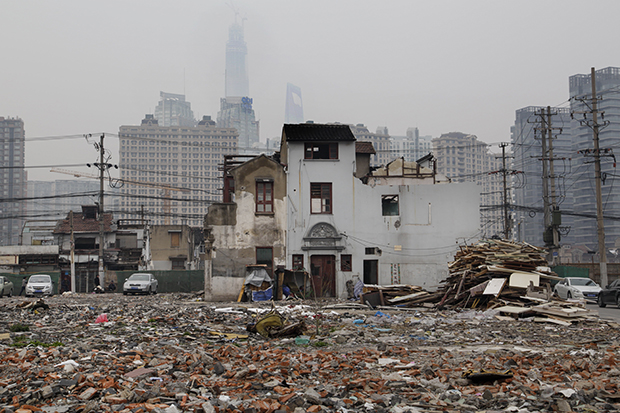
(494, 287)
(522, 280)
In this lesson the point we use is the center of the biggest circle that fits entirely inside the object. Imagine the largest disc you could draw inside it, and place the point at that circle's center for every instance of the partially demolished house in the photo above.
(399, 224)
(249, 227)
(319, 206)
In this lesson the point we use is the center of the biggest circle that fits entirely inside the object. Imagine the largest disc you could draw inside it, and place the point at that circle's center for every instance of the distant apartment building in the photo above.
(54, 199)
(530, 127)
(176, 167)
(13, 180)
(463, 158)
(380, 140)
(412, 146)
(584, 197)
(173, 110)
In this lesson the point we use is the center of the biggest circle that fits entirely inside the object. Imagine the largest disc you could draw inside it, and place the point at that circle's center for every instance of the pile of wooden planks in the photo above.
(496, 270)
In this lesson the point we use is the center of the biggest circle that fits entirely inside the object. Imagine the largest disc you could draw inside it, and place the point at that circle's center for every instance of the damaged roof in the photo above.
(304, 132)
(82, 224)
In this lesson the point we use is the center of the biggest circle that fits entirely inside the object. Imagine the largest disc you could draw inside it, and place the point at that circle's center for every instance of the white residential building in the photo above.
(400, 224)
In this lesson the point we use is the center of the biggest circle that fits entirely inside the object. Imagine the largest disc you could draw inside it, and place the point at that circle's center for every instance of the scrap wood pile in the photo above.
(511, 278)
(497, 270)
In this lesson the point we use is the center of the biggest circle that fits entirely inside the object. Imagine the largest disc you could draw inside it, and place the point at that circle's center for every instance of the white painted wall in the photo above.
(433, 218)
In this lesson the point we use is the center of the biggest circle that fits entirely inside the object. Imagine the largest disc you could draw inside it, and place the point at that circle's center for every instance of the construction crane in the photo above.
(166, 205)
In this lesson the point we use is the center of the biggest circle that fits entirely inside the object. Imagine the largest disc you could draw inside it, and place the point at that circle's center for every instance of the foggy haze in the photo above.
(73, 67)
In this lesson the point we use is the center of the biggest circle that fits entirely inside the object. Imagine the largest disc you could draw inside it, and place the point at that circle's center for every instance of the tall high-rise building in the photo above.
(237, 113)
(237, 81)
(236, 108)
(412, 146)
(13, 179)
(177, 168)
(294, 110)
(173, 110)
(527, 184)
(463, 158)
(584, 197)
(54, 199)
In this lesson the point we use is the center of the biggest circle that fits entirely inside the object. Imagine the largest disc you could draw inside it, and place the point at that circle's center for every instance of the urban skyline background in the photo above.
(76, 68)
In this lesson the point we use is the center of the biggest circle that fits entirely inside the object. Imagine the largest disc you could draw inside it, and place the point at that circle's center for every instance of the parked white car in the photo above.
(140, 283)
(39, 285)
(577, 287)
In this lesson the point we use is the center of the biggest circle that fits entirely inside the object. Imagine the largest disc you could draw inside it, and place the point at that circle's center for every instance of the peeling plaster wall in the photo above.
(239, 230)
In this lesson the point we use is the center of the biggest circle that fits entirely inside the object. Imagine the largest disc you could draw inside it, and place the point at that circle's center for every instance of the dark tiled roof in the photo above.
(81, 224)
(304, 132)
(364, 147)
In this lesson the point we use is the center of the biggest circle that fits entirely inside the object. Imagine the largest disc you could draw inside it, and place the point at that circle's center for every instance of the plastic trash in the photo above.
(103, 318)
(301, 340)
(381, 314)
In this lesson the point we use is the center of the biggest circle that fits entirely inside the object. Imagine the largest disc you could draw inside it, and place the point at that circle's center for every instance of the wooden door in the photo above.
(323, 273)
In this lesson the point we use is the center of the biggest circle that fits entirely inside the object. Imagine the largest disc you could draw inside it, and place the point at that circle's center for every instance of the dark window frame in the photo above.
(321, 150)
(324, 192)
(346, 262)
(390, 206)
(270, 263)
(261, 187)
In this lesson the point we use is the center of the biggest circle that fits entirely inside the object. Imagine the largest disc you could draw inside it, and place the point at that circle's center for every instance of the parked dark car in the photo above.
(610, 295)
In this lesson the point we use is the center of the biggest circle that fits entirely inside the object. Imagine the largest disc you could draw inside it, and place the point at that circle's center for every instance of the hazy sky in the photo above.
(71, 67)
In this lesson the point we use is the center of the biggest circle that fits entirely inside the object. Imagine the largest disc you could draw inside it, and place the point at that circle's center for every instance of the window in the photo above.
(264, 197)
(178, 264)
(321, 198)
(298, 262)
(264, 255)
(321, 150)
(389, 205)
(175, 239)
(346, 262)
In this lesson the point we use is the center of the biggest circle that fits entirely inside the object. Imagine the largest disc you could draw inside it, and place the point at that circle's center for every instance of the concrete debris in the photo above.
(173, 353)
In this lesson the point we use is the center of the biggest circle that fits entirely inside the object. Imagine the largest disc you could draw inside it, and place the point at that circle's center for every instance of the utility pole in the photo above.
(504, 172)
(596, 153)
(103, 167)
(506, 203)
(600, 227)
(554, 208)
(100, 215)
(72, 245)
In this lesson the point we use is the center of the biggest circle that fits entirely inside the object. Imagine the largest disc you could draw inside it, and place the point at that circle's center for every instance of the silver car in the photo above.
(577, 287)
(38, 285)
(140, 283)
(6, 287)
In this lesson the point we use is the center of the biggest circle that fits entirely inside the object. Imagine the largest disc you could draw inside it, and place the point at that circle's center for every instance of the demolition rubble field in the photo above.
(176, 353)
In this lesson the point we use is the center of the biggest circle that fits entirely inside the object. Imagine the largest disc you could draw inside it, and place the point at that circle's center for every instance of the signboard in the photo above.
(9, 259)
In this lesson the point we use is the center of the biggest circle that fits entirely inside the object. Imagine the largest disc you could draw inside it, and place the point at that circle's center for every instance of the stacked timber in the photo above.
(496, 271)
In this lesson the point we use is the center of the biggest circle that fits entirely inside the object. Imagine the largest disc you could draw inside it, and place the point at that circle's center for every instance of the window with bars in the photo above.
(264, 197)
(346, 262)
(321, 198)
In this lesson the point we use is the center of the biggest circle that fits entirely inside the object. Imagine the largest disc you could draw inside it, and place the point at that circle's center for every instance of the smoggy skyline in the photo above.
(72, 67)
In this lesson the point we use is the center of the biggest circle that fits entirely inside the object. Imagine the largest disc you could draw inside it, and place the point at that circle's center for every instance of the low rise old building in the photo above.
(318, 205)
